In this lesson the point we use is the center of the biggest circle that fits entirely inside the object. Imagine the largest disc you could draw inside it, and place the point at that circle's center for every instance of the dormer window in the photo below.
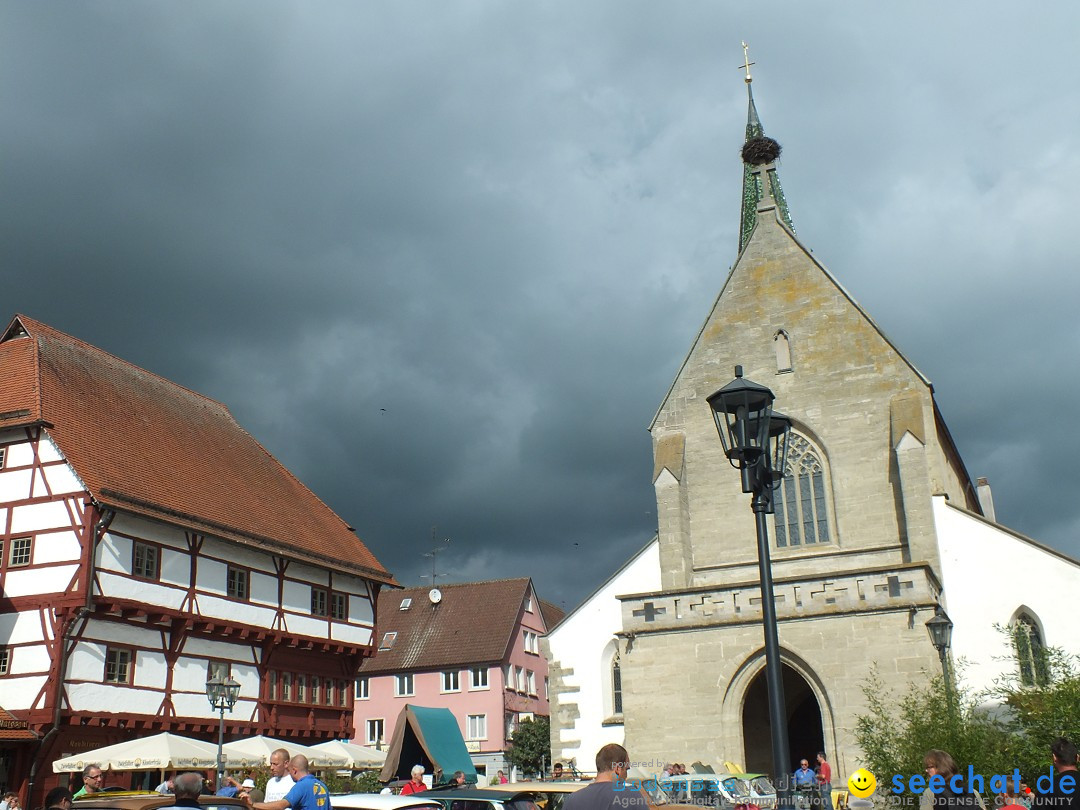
(388, 640)
(406, 603)
(528, 603)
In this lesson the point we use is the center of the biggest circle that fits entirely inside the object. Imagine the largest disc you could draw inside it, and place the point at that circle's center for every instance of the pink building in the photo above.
(473, 648)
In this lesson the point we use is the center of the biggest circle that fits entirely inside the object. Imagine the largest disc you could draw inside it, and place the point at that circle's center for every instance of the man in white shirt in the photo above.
(280, 781)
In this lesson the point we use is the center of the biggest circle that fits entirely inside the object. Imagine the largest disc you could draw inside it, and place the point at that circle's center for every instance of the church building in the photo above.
(878, 526)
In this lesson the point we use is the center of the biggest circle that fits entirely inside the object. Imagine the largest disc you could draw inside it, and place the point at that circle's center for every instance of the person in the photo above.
(608, 791)
(166, 787)
(940, 763)
(249, 791)
(186, 790)
(92, 778)
(307, 792)
(557, 772)
(824, 780)
(59, 798)
(1065, 794)
(502, 778)
(228, 788)
(10, 801)
(280, 782)
(805, 782)
(416, 782)
(458, 779)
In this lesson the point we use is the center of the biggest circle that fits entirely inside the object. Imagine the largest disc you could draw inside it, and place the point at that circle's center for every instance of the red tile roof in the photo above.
(143, 444)
(473, 624)
(12, 728)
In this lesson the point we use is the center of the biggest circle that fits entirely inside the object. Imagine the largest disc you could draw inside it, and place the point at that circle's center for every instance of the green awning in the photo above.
(428, 737)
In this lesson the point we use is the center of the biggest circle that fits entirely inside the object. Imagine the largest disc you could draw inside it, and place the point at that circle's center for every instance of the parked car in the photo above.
(495, 798)
(546, 795)
(761, 789)
(143, 800)
(383, 801)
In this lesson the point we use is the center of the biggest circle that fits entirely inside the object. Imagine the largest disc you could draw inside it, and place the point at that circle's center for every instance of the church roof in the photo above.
(140, 443)
(752, 188)
(474, 623)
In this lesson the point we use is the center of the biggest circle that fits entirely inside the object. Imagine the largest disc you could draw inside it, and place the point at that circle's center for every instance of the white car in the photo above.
(383, 801)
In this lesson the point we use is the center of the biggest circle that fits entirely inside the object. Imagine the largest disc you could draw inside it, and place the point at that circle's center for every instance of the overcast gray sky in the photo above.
(444, 259)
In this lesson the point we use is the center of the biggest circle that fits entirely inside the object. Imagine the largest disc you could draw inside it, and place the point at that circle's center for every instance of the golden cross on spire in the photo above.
(746, 62)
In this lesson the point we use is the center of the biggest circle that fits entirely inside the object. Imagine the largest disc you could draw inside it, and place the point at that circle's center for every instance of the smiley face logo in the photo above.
(862, 784)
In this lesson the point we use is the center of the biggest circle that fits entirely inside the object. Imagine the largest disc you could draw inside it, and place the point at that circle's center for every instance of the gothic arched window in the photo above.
(801, 505)
(616, 685)
(1030, 651)
(782, 346)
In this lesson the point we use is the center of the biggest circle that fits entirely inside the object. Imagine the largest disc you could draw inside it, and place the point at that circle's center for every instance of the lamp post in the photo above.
(940, 628)
(222, 693)
(755, 442)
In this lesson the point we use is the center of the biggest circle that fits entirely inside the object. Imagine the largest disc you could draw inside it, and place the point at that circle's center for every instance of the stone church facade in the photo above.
(856, 543)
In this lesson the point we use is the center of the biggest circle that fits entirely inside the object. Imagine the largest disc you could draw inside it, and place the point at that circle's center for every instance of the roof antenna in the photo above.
(435, 595)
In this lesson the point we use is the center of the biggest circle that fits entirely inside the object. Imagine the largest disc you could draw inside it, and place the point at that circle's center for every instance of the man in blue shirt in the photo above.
(805, 779)
(308, 793)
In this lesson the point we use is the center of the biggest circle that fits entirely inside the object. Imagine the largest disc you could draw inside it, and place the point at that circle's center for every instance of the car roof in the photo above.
(538, 787)
(497, 795)
(130, 800)
(381, 801)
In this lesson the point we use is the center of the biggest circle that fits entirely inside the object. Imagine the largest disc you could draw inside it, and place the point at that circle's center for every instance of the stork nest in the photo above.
(760, 150)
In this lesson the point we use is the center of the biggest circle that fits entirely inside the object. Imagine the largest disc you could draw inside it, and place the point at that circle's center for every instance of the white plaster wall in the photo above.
(152, 593)
(175, 567)
(87, 662)
(33, 658)
(35, 581)
(149, 530)
(19, 455)
(114, 553)
(36, 516)
(57, 547)
(238, 554)
(19, 693)
(20, 628)
(48, 451)
(211, 576)
(196, 705)
(988, 574)
(360, 611)
(62, 480)
(349, 633)
(150, 669)
(95, 696)
(348, 584)
(234, 611)
(223, 650)
(14, 484)
(316, 576)
(305, 625)
(578, 643)
(296, 596)
(126, 634)
(264, 588)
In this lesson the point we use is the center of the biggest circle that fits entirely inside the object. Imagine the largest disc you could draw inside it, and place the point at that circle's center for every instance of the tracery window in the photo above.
(1030, 651)
(801, 506)
(616, 684)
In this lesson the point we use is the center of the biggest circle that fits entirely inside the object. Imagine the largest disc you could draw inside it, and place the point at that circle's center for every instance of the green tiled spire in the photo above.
(752, 190)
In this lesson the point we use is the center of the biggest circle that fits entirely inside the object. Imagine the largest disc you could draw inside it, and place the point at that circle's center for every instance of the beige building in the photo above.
(875, 500)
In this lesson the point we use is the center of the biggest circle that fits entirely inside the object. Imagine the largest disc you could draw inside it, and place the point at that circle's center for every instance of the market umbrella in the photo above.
(257, 750)
(159, 752)
(359, 756)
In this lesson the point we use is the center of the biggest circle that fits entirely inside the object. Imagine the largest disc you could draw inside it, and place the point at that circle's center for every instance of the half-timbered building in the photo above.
(148, 542)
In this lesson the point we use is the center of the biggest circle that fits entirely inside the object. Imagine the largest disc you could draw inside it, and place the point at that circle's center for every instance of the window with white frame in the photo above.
(271, 684)
(339, 607)
(511, 724)
(316, 685)
(374, 730)
(531, 642)
(219, 670)
(237, 581)
(318, 601)
(363, 688)
(451, 681)
(530, 681)
(343, 693)
(403, 684)
(144, 560)
(388, 640)
(20, 551)
(528, 603)
(5, 660)
(118, 668)
(301, 688)
(286, 686)
(520, 679)
(476, 728)
(406, 603)
(478, 678)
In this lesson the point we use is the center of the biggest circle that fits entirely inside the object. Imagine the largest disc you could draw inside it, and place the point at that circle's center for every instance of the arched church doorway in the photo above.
(806, 735)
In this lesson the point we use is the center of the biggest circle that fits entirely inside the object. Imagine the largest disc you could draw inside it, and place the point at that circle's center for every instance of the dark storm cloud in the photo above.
(444, 260)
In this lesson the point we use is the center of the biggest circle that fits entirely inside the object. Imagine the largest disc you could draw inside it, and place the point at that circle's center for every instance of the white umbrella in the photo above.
(257, 750)
(161, 751)
(360, 756)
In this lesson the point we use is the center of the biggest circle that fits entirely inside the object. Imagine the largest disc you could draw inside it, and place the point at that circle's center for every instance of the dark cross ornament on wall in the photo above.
(650, 612)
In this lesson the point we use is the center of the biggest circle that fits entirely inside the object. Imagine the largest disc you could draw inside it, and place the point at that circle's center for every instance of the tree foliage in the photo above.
(1010, 726)
(530, 745)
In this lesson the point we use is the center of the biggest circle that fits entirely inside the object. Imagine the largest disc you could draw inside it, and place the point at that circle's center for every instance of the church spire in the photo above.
(759, 154)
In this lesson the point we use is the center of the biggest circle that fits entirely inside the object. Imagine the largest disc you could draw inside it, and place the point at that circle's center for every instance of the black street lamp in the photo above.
(940, 629)
(222, 693)
(755, 441)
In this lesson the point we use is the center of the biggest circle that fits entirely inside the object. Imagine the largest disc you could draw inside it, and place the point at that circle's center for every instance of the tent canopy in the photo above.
(359, 756)
(161, 751)
(252, 751)
(428, 737)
